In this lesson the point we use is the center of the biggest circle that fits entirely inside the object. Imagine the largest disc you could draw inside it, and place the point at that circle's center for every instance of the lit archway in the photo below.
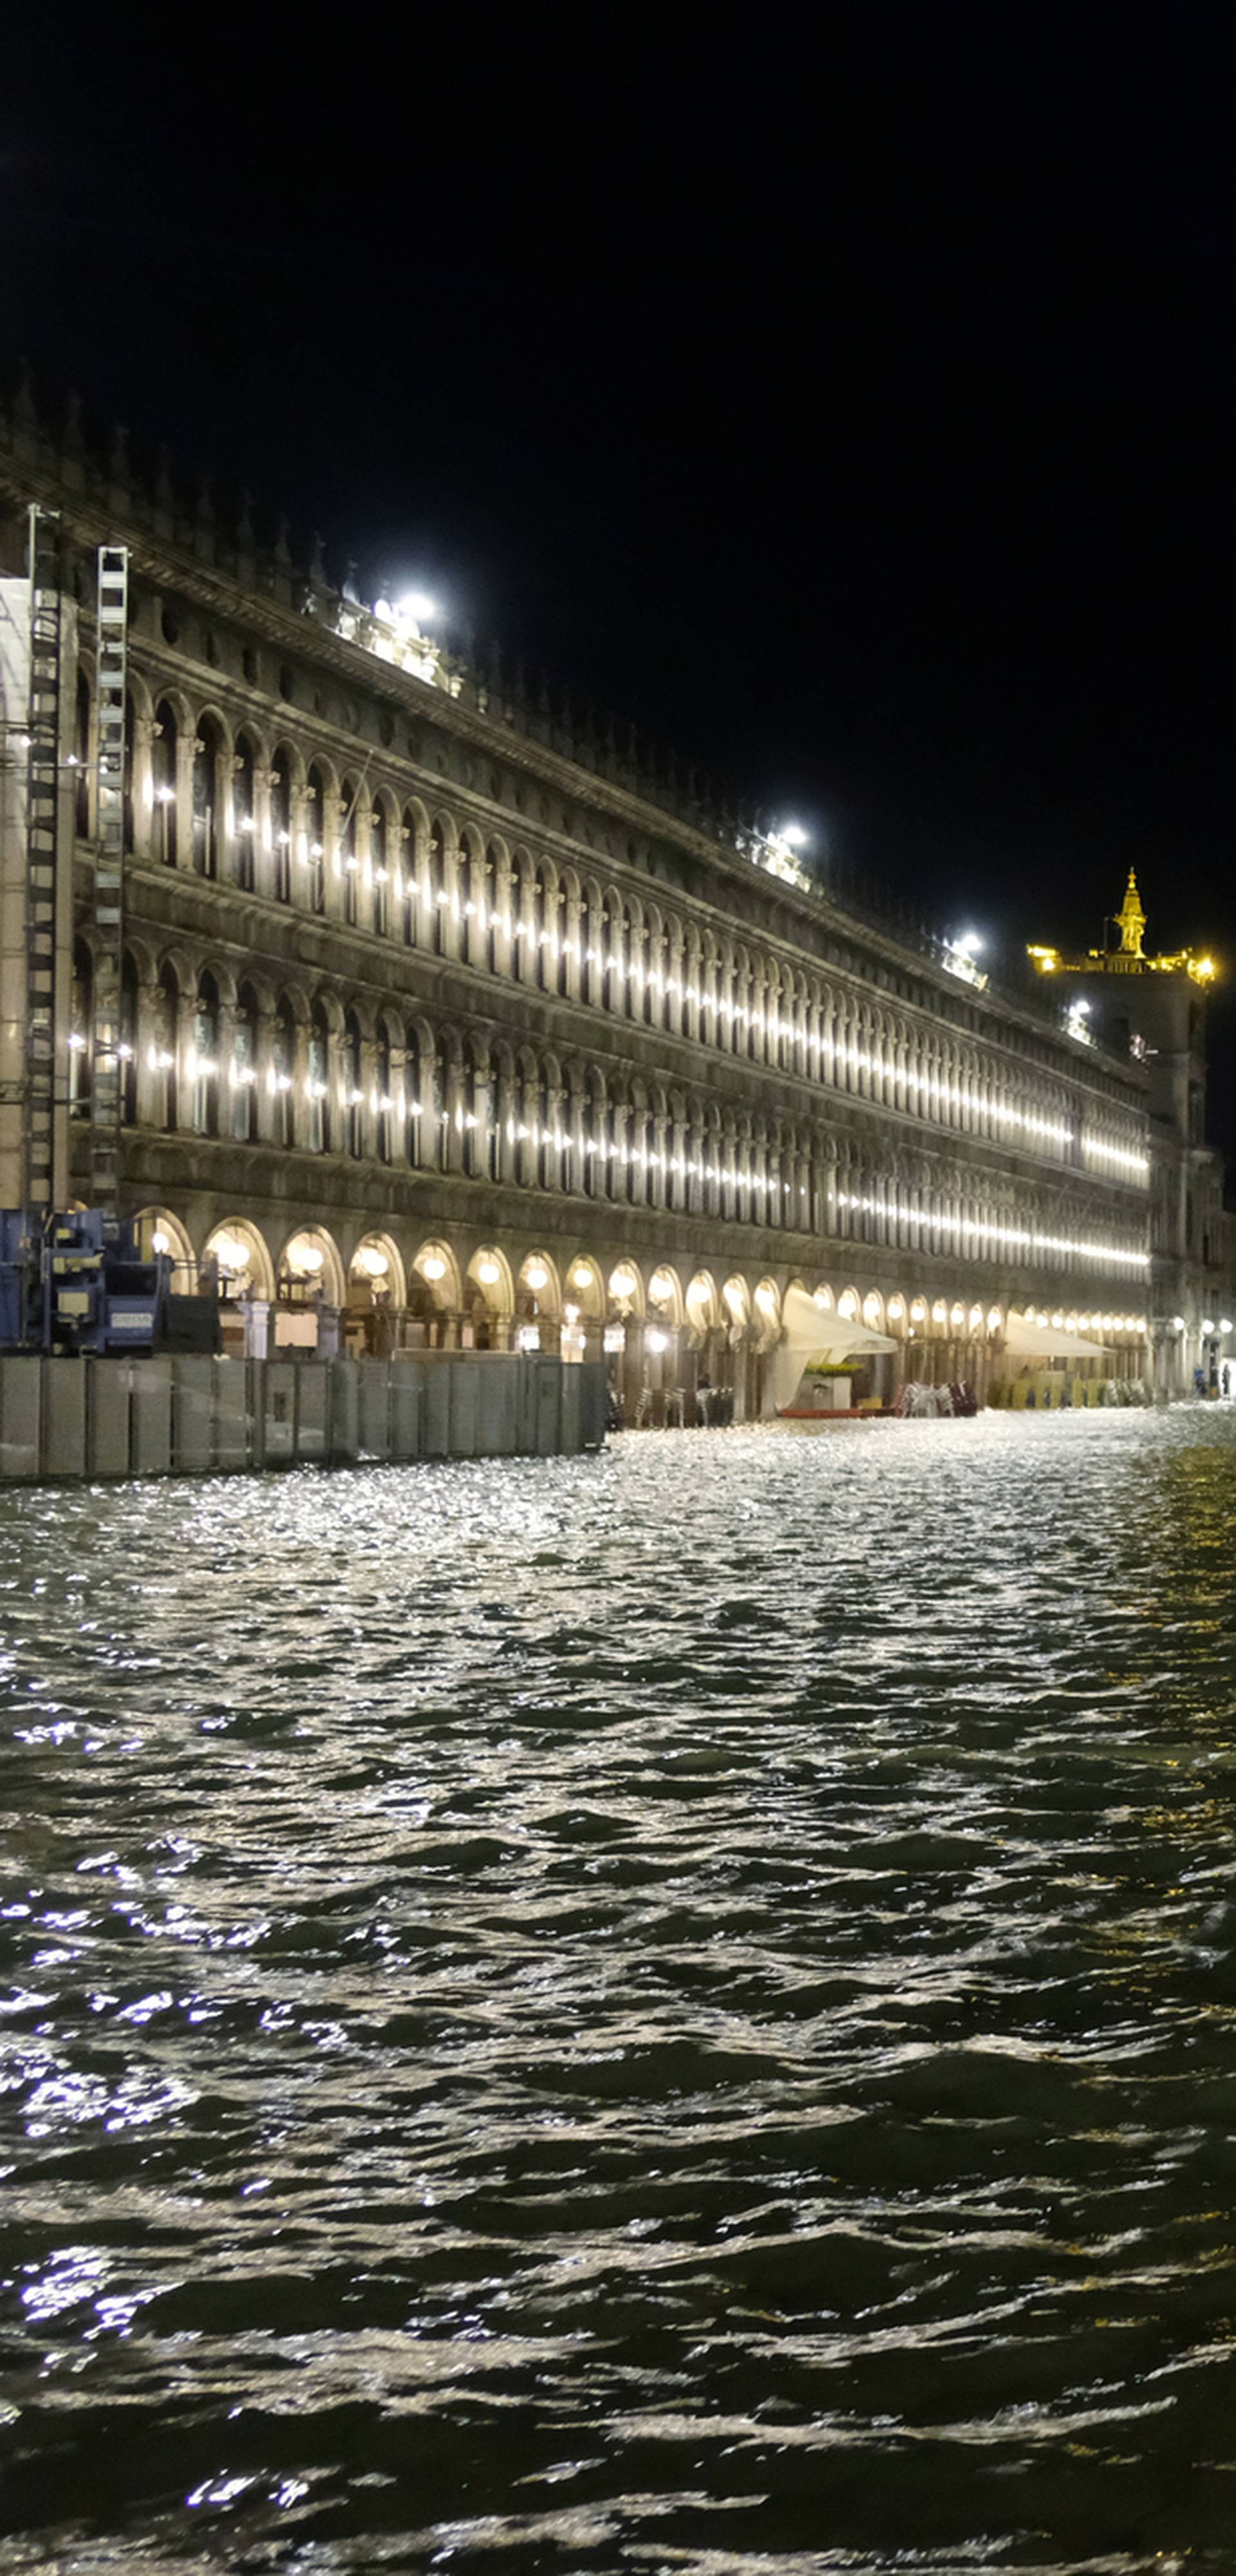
(626, 1289)
(239, 1258)
(702, 1304)
(665, 1298)
(436, 1266)
(158, 1231)
(310, 1267)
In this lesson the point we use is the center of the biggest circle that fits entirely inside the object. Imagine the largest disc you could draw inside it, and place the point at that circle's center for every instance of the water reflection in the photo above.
(670, 2011)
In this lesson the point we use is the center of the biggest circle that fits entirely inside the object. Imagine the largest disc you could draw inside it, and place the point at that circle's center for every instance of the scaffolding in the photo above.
(107, 1073)
(42, 847)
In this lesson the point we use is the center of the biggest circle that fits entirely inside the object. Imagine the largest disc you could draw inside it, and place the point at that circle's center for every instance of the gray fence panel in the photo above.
(193, 1413)
(569, 1412)
(343, 1413)
(502, 1409)
(20, 1378)
(64, 1418)
(548, 1406)
(312, 1396)
(373, 1408)
(279, 1412)
(151, 1416)
(436, 1417)
(465, 1379)
(232, 1412)
(107, 1417)
(594, 1402)
(407, 1405)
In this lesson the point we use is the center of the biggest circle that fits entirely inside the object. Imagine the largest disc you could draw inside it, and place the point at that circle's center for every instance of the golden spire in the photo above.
(1131, 920)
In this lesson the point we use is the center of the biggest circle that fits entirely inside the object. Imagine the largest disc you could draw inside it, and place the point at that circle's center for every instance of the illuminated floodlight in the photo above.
(1208, 1323)
(1225, 1323)
(416, 609)
(968, 945)
(1178, 1323)
(794, 834)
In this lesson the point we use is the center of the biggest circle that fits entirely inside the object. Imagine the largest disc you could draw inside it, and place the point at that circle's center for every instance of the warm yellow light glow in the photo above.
(536, 1275)
(433, 1267)
(489, 1273)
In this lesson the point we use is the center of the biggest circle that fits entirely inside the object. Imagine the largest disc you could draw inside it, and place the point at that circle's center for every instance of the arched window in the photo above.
(544, 1137)
(244, 810)
(81, 755)
(129, 999)
(434, 932)
(383, 1078)
(354, 1123)
(410, 897)
(244, 1065)
(319, 1080)
(207, 757)
(441, 1143)
(543, 964)
(489, 899)
(164, 1050)
(348, 861)
(315, 840)
(380, 870)
(412, 1097)
(281, 822)
(205, 1064)
(282, 1072)
(81, 1031)
(163, 768)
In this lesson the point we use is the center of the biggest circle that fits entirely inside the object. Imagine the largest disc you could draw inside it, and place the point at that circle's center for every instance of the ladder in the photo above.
(107, 1085)
(42, 837)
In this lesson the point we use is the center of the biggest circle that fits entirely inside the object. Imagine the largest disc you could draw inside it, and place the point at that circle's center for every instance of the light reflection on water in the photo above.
(670, 2011)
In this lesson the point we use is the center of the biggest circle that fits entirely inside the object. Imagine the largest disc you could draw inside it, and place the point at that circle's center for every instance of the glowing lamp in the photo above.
(536, 1275)
(433, 1267)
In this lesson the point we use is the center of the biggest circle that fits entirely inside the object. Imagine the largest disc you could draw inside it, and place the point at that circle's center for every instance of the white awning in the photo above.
(1026, 1340)
(811, 1334)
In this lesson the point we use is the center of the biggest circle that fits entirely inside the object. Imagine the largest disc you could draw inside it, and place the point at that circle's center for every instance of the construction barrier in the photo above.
(191, 1415)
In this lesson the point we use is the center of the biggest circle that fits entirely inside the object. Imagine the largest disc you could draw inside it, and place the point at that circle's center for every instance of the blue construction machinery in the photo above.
(79, 1283)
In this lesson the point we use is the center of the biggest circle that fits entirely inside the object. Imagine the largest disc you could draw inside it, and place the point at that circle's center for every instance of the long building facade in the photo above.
(441, 1020)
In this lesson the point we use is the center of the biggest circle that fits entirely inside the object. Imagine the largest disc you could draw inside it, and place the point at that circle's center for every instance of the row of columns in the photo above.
(454, 886)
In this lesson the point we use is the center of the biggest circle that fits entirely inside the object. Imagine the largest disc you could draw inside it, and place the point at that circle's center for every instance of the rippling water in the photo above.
(671, 2011)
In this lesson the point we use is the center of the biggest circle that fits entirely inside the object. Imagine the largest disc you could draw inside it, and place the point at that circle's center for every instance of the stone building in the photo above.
(443, 1018)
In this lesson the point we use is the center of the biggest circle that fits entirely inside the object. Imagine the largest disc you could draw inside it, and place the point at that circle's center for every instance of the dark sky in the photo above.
(844, 397)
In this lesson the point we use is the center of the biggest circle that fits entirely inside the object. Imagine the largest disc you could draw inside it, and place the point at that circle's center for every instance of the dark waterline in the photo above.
(663, 2012)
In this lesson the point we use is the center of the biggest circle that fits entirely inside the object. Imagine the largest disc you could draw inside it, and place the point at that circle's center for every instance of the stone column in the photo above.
(148, 1040)
(140, 785)
(262, 835)
(573, 938)
(333, 903)
(368, 1086)
(301, 1128)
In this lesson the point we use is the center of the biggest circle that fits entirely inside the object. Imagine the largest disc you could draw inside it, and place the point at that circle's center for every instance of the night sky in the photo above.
(842, 398)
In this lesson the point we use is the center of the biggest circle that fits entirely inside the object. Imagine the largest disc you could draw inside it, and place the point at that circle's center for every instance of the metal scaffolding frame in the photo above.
(42, 852)
(107, 1086)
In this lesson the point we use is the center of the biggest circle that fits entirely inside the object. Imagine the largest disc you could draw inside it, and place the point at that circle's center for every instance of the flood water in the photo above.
(670, 2011)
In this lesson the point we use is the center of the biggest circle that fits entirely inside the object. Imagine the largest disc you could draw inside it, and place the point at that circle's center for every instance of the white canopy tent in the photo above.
(811, 1334)
(1026, 1340)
